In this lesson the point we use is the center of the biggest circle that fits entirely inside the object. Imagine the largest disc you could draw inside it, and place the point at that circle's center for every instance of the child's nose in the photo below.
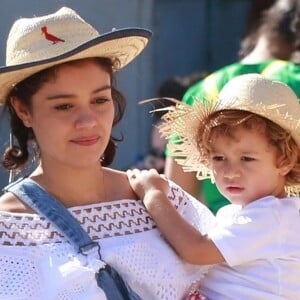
(232, 171)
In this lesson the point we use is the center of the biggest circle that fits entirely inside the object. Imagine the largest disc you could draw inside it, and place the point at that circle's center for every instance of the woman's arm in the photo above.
(187, 241)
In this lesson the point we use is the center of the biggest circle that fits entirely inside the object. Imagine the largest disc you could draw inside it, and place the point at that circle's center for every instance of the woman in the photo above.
(58, 87)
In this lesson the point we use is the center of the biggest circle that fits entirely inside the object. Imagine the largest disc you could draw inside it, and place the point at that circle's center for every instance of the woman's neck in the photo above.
(73, 187)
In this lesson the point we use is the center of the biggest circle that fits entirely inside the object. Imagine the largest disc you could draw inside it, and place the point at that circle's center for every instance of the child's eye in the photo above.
(63, 106)
(247, 158)
(218, 158)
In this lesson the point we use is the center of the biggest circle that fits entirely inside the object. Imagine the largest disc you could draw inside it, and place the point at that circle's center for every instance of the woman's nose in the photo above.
(85, 118)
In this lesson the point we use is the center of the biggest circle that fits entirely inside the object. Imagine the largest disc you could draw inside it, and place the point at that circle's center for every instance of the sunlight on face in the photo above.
(244, 167)
(72, 115)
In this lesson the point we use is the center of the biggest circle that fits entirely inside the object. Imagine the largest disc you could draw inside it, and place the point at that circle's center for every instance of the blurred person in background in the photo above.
(267, 49)
(173, 87)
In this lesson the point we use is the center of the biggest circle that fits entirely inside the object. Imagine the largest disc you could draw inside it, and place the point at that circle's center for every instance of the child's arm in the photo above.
(188, 242)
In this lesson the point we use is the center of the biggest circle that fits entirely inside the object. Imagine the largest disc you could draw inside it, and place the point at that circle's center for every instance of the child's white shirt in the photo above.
(261, 245)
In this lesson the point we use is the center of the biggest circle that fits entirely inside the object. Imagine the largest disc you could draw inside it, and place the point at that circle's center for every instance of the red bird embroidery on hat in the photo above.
(50, 37)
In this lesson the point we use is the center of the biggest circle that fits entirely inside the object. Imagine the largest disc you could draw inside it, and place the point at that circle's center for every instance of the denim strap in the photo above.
(28, 191)
(32, 194)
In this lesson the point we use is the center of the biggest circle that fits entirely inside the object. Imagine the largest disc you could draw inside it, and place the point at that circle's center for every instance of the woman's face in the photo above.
(72, 115)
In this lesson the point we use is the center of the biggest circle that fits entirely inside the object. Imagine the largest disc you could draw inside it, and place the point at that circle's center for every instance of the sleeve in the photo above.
(191, 209)
(207, 88)
(245, 237)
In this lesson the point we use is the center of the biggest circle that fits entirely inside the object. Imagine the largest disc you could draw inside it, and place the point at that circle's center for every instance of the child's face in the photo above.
(72, 115)
(245, 167)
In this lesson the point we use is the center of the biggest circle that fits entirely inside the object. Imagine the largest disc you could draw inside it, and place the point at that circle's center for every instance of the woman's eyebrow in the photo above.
(68, 96)
(105, 87)
(60, 96)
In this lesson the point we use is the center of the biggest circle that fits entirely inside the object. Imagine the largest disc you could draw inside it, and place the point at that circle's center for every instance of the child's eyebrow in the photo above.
(249, 152)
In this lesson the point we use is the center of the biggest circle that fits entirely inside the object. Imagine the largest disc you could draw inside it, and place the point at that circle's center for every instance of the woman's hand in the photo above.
(147, 181)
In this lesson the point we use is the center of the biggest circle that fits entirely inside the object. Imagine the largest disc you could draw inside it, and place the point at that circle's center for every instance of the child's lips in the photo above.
(234, 189)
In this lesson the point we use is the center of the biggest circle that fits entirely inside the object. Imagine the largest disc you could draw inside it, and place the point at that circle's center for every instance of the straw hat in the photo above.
(251, 92)
(38, 43)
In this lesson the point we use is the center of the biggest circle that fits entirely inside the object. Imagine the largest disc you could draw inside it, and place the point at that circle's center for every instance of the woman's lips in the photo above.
(86, 141)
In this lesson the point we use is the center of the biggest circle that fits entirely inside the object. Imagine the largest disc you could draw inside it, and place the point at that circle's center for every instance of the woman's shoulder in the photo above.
(191, 208)
(10, 203)
(117, 185)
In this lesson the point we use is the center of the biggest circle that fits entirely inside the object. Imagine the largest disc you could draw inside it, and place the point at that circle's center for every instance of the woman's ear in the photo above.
(21, 110)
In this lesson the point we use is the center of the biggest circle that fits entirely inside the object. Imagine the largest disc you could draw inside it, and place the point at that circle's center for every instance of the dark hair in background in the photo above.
(275, 19)
(16, 156)
(175, 87)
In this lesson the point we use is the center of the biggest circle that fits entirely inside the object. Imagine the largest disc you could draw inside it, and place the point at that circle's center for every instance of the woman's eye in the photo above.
(63, 106)
(101, 100)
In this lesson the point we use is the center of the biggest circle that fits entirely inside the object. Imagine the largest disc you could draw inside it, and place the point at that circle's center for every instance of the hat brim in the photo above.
(182, 122)
(123, 44)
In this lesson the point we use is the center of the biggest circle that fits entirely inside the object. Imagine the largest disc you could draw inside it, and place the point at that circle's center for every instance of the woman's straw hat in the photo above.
(251, 92)
(38, 43)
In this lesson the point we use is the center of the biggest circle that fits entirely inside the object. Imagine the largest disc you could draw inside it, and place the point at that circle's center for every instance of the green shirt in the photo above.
(209, 88)
(275, 69)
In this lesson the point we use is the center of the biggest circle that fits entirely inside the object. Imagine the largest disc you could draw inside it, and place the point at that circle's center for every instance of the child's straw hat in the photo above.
(38, 43)
(251, 92)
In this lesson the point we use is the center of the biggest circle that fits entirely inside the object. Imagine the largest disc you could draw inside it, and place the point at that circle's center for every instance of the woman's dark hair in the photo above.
(16, 156)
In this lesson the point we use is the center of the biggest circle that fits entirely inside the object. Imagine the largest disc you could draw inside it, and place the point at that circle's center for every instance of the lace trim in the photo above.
(102, 220)
(99, 220)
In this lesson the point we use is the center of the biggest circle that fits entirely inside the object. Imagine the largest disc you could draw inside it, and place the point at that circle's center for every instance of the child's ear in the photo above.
(285, 166)
(21, 110)
(284, 170)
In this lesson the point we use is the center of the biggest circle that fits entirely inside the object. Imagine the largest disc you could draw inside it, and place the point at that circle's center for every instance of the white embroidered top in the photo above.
(37, 262)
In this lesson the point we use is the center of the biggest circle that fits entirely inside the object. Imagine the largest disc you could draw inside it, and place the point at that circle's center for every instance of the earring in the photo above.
(26, 123)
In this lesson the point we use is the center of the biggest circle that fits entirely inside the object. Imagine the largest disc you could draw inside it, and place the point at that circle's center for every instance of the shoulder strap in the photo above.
(32, 194)
(108, 279)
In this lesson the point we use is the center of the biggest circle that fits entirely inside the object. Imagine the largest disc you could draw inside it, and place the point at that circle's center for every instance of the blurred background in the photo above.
(189, 36)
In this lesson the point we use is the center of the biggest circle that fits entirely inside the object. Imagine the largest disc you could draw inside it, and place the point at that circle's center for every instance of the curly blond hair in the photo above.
(222, 122)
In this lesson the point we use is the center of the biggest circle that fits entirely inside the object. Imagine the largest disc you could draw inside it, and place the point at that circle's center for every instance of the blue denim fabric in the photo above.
(41, 201)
